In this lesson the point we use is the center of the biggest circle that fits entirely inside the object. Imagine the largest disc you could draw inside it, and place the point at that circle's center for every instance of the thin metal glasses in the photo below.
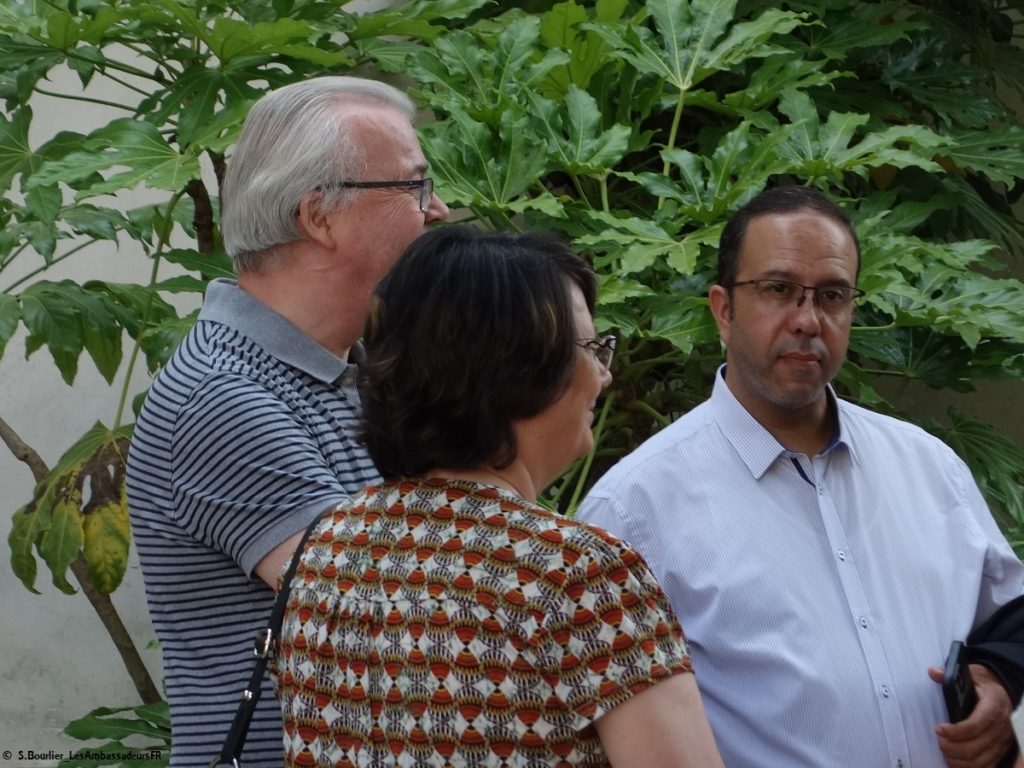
(602, 348)
(831, 299)
(425, 187)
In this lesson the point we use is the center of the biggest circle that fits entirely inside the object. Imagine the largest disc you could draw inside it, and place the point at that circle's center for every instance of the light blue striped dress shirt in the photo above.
(815, 593)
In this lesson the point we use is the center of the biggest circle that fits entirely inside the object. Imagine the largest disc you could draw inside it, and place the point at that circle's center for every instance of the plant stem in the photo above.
(673, 132)
(100, 602)
(506, 220)
(144, 320)
(202, 217)
(126, 84)
(45, 267)
(581, 478)
(873, 328)
(104, 607)
(881, 372)
(112, 64)
(566, 478)
(87, 99)
(579, 189)
(23, 452)
(603, 178)
(640, 405)
(12, 256)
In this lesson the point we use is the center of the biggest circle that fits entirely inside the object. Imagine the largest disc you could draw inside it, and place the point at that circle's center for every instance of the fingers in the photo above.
(982, 739)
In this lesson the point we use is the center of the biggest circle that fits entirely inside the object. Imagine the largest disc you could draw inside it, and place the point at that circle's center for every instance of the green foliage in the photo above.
(79, 507)
(637, 128)
(188, 73)
(143, 732)
(634, 128)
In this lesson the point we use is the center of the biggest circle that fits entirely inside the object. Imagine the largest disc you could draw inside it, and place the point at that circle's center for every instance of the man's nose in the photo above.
(436, 210)
(807, 315)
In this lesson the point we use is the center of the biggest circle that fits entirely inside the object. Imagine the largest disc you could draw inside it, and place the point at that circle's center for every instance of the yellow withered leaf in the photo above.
(107, 537)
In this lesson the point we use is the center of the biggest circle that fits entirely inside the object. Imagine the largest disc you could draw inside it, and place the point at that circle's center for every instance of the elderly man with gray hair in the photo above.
(247, 434)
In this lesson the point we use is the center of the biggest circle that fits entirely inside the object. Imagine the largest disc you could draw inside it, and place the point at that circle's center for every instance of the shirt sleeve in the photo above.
(1003, 575)
(614, 634)
(598, 510)
(247, 473)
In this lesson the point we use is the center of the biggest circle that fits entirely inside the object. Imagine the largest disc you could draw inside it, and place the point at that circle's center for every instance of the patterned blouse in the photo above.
(451, 623)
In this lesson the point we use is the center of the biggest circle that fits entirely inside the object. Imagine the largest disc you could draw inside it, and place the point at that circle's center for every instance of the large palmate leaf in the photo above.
(143, 731)
(23, 62)
(107, 535)
(776, 75)
(999, 155)
(94, 221)
(15, 154)
(88, 479)
(588, 53)
(10, 314)
(920, 353)
(160, 339)
(62, 540)
(978, 218)
(951, 88)
(481, 168)
(836, 146)
(68, 318)
(712, 184)
(870, 25)
(484, 76)
(685, 323)
(637, 244)
(695, 39)
(133, 145)
(413, 19)
(575, 139)
(975, 305)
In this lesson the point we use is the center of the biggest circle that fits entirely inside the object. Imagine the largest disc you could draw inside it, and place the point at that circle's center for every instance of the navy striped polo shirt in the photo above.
(246, 436)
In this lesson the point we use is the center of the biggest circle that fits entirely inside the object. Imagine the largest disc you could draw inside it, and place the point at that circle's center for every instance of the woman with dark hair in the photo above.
(443, 617)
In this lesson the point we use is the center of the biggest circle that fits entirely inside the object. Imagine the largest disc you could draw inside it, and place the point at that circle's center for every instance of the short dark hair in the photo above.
(470, 331)
(787, 199)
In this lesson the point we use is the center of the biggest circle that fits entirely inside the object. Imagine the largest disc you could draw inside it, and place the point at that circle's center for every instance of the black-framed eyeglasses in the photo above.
(425, 187)
(831, 299)
(603, 348)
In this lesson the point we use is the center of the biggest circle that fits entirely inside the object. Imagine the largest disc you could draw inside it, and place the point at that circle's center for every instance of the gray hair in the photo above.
(295, 140)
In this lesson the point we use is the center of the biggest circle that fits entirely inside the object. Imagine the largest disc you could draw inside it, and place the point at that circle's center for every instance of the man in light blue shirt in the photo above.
(821, 557)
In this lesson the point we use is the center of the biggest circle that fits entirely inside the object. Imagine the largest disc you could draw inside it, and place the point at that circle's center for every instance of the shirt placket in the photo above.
(860, 611)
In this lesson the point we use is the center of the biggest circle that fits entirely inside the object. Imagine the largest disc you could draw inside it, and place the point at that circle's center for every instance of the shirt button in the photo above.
(863, 622)
(842, 555)
(899, 764)
(885, 691)
(821, 490)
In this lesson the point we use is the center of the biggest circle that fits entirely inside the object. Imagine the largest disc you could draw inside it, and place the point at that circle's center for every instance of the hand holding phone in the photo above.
(957, 685)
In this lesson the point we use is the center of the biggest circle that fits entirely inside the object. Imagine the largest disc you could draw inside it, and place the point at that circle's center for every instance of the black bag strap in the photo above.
(231, 752)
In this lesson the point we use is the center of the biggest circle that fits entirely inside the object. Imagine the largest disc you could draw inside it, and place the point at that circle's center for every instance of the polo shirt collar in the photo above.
(229, 305)
(754, 444)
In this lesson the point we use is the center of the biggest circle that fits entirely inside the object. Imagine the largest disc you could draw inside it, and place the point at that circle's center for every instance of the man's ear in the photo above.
(312, 222)
(720, 301)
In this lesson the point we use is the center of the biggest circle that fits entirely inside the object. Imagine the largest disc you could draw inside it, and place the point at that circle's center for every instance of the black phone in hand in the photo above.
(957, 685)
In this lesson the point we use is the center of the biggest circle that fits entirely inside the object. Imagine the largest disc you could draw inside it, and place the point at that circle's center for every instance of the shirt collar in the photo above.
(754, 444)
(229, 305)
